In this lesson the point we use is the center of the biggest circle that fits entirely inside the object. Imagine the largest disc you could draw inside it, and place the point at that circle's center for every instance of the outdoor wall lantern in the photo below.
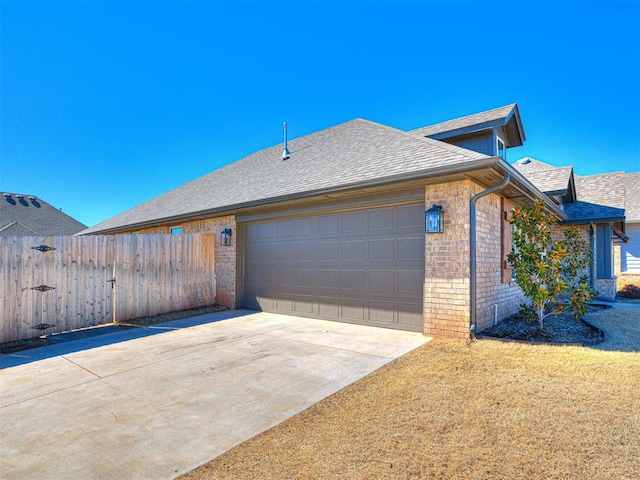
(434, 220)
(225, 237)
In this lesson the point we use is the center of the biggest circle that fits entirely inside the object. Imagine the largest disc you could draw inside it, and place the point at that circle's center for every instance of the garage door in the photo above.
(364, 266)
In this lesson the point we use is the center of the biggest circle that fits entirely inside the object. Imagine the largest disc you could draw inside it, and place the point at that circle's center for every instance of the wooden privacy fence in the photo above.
(58, 284)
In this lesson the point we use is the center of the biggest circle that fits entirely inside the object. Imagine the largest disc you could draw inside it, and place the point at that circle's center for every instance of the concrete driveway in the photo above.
(155, 402)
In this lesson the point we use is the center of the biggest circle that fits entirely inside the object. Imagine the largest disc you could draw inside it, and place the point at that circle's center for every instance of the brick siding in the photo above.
(494, 297)
(225, 256)
(447, 263)
(446, 285)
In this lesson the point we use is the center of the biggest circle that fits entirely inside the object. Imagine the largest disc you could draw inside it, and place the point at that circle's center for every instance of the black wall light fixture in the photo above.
(225, 237)
(434, 220)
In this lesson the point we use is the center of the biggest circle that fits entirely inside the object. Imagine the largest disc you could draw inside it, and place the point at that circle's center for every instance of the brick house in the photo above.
(605, 208)
(332, 225)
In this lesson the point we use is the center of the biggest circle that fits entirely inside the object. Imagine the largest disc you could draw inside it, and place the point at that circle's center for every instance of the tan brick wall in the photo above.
(447, 263)
(557, 230)
(628, 279)
(606, 287)
(493, 296)
(225, 256)
(446, 287)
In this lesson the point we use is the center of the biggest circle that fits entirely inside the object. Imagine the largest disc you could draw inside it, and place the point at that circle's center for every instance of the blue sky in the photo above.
(105, 105)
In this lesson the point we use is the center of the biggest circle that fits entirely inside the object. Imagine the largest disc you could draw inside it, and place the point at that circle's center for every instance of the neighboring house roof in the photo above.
(26, 215)
(529, 165)
(347, 155)
(552, 182)
(600, 197)
(604, 189)
(632, 201)
(14, 229)
(547, 178)
(507, 117)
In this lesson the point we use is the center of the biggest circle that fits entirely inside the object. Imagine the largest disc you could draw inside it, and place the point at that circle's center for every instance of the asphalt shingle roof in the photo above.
(14, 229)
(26, 215)
(586, 211)
(555, 181)
(599, 197)
(347, 154)
(500, 113)
(529, 165)
(603, 196)
(632, 201)
(547, 178)
(604, 189)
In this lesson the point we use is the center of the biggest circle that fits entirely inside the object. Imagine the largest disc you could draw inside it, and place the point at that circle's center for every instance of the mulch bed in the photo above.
(558, 329)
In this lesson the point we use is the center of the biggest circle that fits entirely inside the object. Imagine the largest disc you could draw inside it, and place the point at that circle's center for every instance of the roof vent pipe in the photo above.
(285, 153)
(473, 247)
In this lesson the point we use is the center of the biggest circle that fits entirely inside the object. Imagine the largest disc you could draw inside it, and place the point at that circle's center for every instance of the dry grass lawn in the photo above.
(462, 411)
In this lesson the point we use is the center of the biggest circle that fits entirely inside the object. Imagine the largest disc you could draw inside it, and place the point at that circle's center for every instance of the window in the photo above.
(501, 149)
(176, 230)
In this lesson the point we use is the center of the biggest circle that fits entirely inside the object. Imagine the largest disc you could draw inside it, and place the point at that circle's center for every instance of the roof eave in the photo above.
(465, 130)
(227, 209)
(511, 123)
(562, 191)
(582, 221)
(529, 190)
(514, 117)
(522, 184)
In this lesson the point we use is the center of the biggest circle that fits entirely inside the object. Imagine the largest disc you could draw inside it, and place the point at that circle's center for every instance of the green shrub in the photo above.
(548, 269)
(527, 313)
(629, 291)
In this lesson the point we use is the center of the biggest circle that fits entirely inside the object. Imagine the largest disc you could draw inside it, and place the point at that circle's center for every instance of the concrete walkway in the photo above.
(156, 402)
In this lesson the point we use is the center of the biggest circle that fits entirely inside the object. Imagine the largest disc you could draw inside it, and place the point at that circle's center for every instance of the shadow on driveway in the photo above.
(88, 338)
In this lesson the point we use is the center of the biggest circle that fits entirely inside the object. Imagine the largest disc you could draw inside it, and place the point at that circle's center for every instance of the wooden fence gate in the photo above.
(58, 284)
